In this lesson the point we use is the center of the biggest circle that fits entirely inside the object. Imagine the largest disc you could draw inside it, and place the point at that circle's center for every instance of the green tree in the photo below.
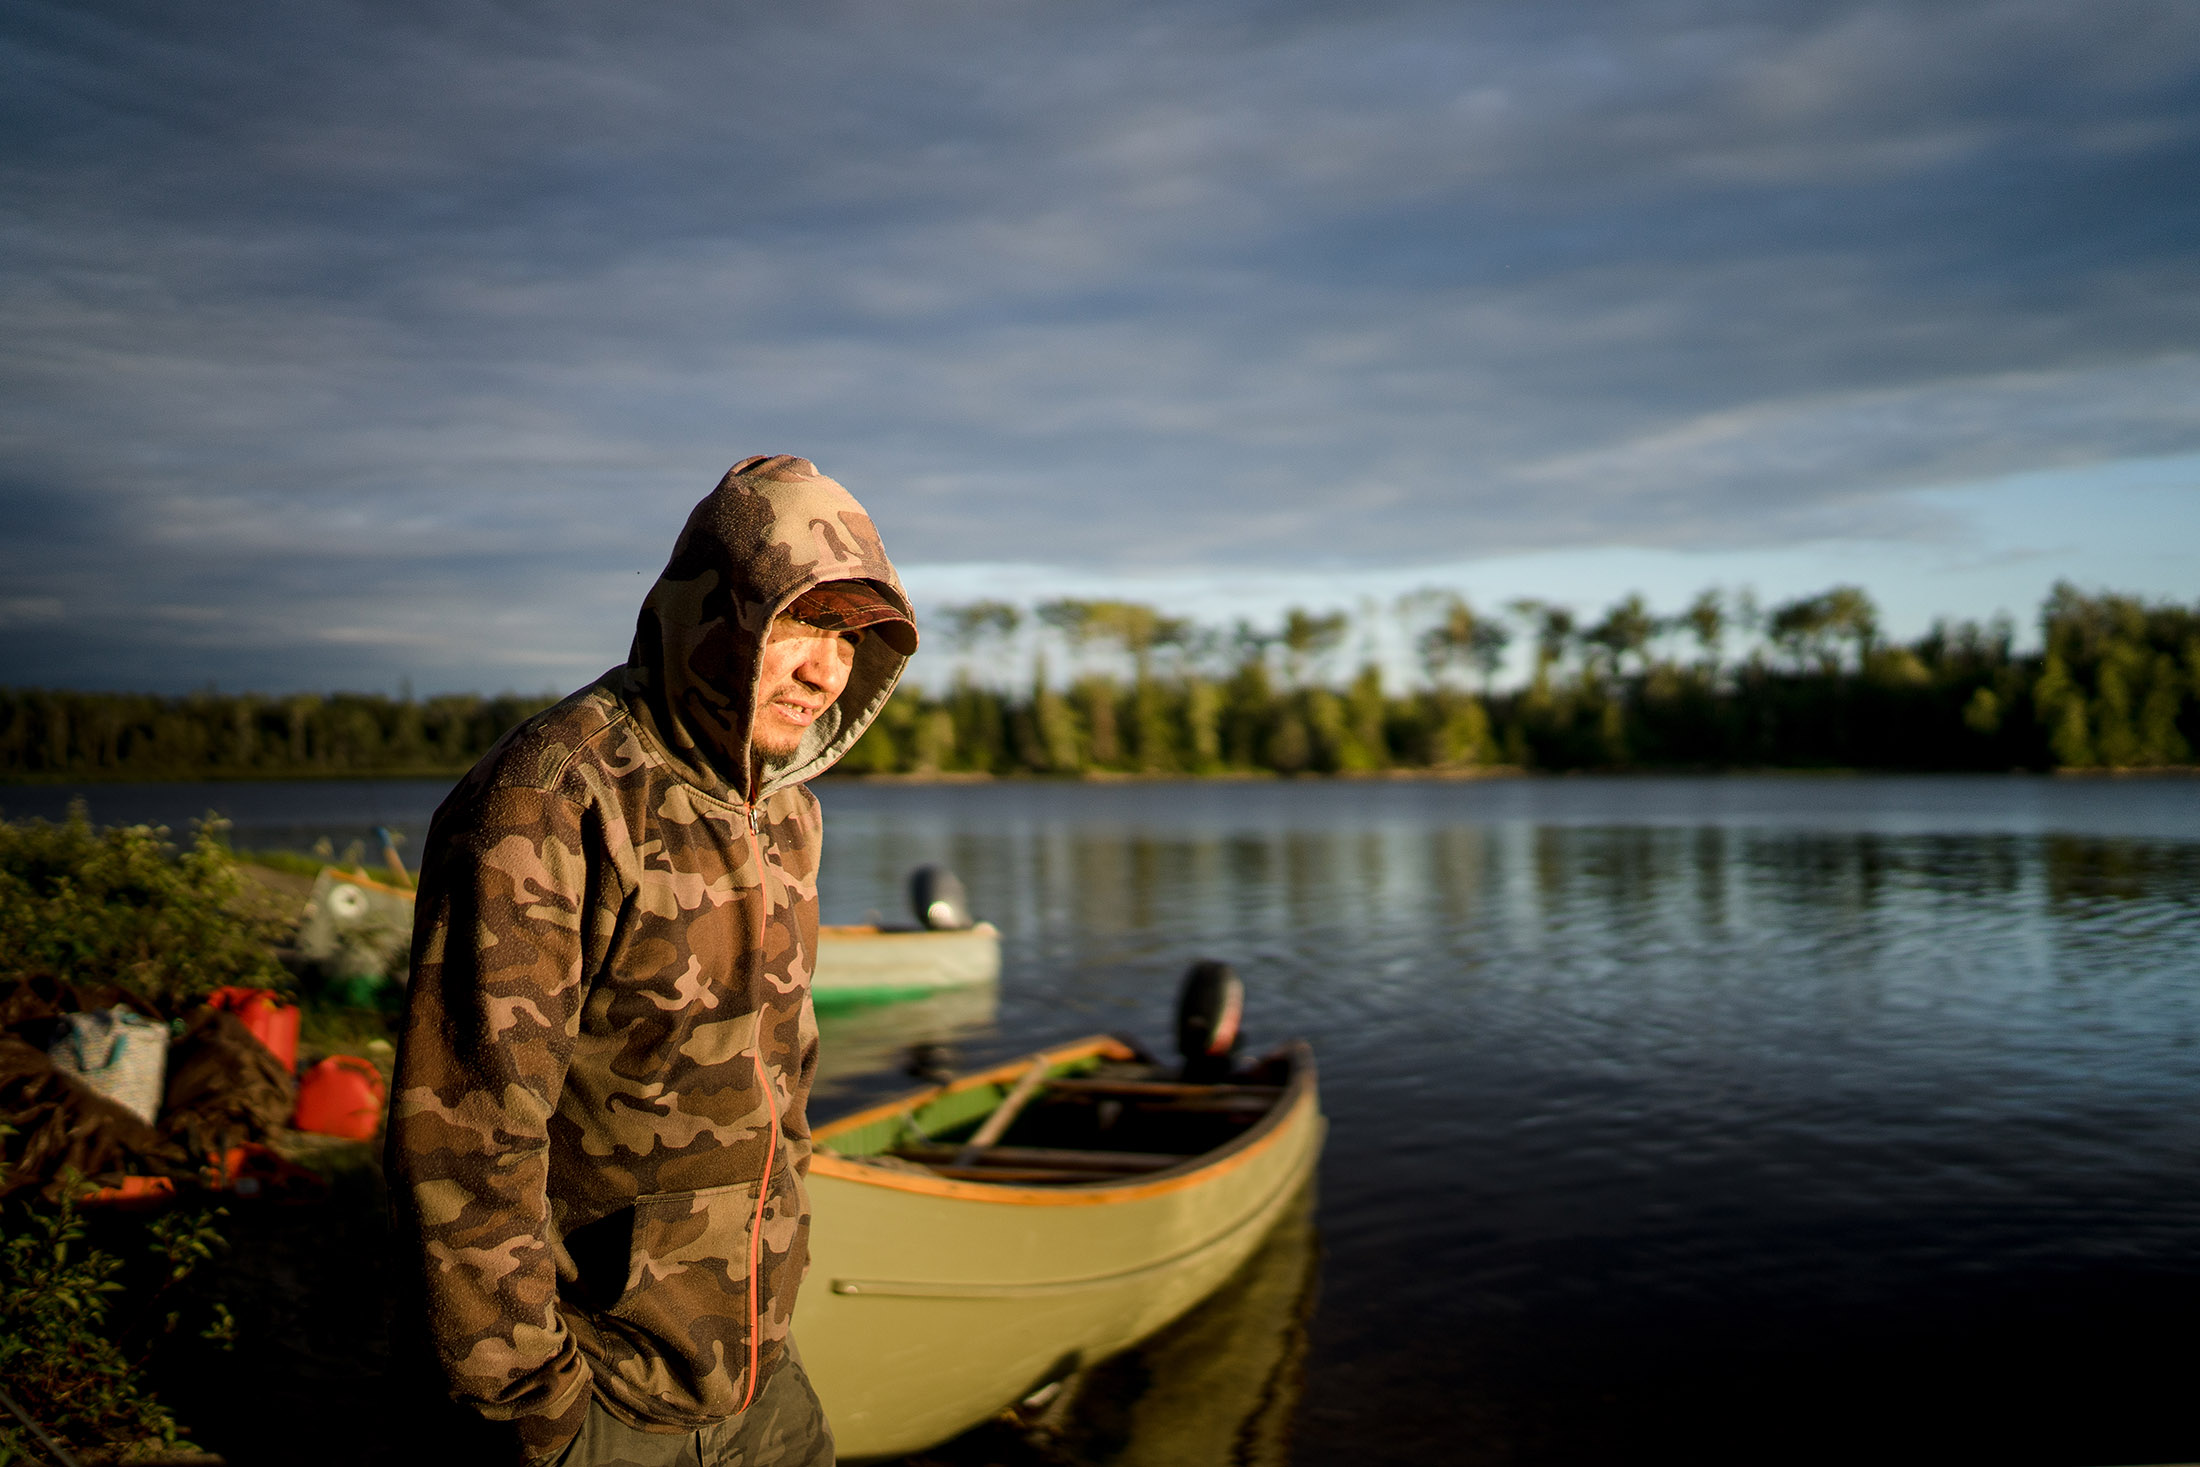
(1203, 715)
(1250, 711)
(886, 745)
(1463, 737)
(1135, 628)
(980, 632)
(1154, 733)
(2160, 739)
(1306, 637)
(1552, 626)
(2115, 737)
(2061, 709)
(1625, 631)
(1460, 637)
(933, 747)
(1290, 744)
(1095, 699)
(1706, 620)
(976, 623)
(981, 726)
(1982, 714)
(1817, 630)
(1061, 743)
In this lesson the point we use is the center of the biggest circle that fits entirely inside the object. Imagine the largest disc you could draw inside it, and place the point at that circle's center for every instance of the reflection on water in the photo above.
(872, 1043)
(1702, 1118)
(1222, 1385)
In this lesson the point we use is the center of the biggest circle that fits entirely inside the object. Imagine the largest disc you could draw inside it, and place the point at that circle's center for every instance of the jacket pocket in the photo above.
(690, 1288)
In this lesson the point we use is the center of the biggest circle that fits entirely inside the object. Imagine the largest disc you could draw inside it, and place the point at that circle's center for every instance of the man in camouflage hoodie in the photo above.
(597, 1137)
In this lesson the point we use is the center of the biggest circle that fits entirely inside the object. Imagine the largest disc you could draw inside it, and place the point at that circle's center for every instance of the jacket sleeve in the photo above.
(804, 916)
(795, 1123)
(488, 1032)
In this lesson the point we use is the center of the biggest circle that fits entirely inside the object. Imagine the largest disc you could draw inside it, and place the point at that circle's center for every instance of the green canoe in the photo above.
(958, 1267)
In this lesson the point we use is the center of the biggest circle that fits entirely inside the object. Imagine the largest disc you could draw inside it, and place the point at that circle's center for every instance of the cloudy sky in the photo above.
(344, 343)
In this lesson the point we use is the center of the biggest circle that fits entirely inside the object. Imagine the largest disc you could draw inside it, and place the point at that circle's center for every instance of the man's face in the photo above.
(804, 670)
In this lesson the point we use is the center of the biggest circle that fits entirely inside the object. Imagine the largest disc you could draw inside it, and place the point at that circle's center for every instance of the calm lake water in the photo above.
(1727, 1119)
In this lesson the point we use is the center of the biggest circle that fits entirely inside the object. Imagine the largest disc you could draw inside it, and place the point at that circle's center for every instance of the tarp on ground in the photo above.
(224, 1088)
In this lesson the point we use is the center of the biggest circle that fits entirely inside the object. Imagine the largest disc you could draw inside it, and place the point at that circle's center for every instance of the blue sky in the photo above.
(350, 344)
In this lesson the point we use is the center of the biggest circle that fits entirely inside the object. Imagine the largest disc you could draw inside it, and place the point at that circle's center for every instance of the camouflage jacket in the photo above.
(597, 1137)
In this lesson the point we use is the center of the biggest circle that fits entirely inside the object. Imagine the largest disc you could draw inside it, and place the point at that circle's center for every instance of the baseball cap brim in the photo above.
(845, 606)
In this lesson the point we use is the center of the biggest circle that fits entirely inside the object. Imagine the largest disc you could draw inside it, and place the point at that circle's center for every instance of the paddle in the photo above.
(997, 1124)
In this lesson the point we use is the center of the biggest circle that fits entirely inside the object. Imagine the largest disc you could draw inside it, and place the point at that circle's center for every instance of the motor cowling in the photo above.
(1210, 1011)
(937, 897)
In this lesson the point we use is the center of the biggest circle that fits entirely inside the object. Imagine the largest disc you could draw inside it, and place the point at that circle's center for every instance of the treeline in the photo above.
(49, 735)
(1720, 683)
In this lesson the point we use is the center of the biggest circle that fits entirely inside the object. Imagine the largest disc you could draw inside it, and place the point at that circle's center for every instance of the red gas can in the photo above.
(272, 1022)
(341, 1096)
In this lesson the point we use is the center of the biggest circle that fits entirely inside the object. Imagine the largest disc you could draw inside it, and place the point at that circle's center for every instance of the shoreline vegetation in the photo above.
(1718, 686)
(126, 1321)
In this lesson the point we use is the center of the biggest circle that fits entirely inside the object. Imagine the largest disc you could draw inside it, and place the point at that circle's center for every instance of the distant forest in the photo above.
(1721, 683)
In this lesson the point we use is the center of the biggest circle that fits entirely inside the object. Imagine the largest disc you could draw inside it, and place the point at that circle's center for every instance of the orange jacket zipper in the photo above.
(763, 1080)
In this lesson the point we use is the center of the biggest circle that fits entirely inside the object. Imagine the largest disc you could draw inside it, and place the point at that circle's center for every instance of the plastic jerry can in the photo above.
(341, 1096)
(270, 1020)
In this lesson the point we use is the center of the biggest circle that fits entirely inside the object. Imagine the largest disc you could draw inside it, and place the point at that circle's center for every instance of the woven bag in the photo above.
(115, 1053)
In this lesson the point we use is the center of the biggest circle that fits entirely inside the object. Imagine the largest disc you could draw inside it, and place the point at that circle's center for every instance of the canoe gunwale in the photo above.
(1298, 1095)
(865, 931)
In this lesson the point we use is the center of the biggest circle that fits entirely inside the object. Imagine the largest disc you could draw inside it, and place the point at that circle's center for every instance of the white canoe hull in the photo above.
(865, 962)
(931, 1304)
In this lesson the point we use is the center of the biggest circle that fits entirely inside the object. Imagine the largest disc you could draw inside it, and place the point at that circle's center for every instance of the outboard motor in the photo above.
(939, 900)
(1209, 1010)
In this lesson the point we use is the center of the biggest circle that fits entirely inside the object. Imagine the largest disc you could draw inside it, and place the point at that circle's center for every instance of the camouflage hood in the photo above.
(772, 529)
(598, 1127)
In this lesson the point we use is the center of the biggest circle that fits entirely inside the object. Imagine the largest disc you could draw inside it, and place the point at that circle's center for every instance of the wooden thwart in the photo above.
(1022, 1174)
(1163, 1089)
(1057, 1158)
(997, 1124)
(1159, 1095)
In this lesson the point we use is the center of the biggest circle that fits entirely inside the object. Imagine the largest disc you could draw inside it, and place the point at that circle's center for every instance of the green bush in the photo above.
(62, 1357)
(123, 905)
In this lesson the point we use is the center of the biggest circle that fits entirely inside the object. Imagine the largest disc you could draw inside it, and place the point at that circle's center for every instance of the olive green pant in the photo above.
(783, 1427)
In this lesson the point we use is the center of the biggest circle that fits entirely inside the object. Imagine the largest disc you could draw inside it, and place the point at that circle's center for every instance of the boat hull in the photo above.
(867, 965)
(931, 1304)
